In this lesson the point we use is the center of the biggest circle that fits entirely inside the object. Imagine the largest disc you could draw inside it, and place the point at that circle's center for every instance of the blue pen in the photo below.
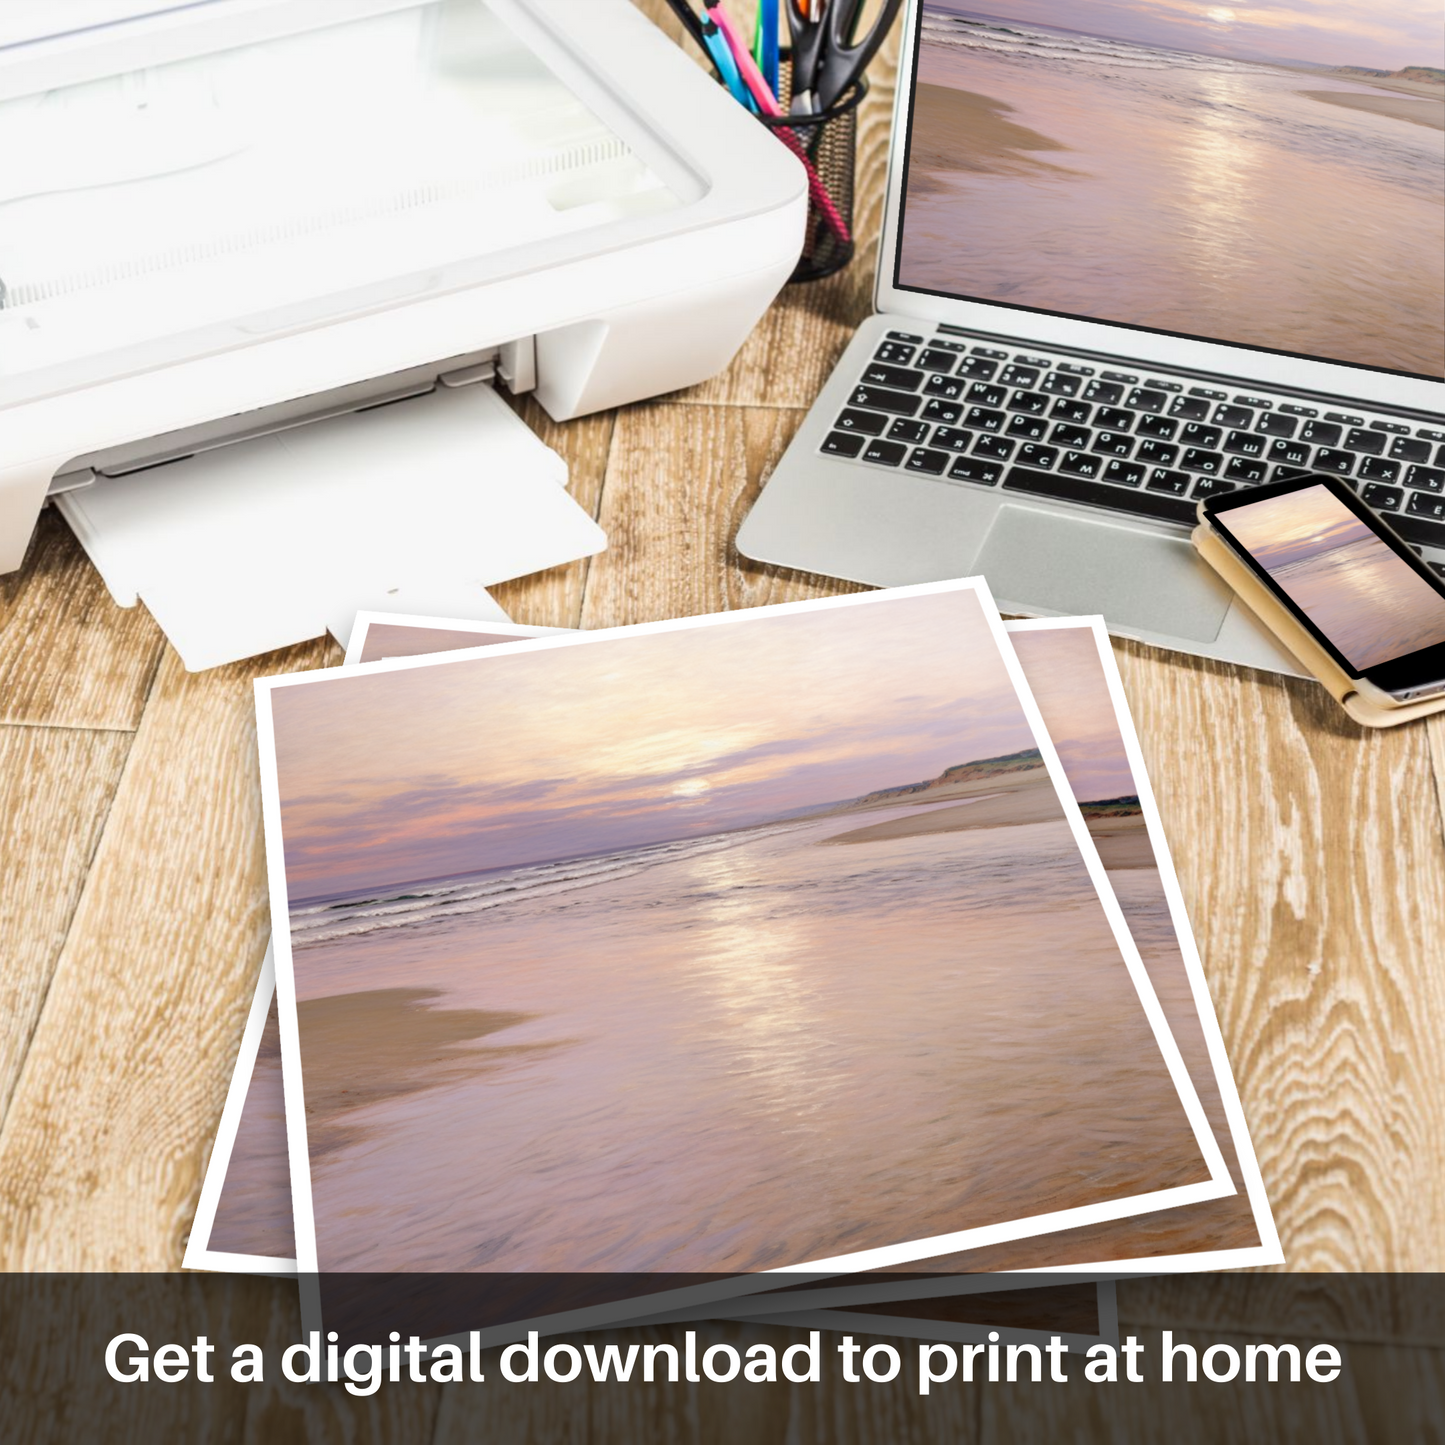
(768, 28)
(727, 67)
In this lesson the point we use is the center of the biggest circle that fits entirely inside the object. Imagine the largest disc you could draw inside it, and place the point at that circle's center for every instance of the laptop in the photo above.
(1133, 255)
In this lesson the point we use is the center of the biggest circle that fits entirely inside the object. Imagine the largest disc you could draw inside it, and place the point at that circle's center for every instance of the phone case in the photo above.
(1313, 658)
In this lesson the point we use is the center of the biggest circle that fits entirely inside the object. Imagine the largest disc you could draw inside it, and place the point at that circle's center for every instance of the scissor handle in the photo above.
(844, 59)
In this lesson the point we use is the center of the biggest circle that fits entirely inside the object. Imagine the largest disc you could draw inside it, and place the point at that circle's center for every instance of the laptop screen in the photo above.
(1270, 176)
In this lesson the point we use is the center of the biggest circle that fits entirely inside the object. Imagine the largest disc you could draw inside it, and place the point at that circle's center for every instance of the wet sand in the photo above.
(1031, 801)
(1399, 107)
(363, 1048)
(960, 130)
(1122, 842)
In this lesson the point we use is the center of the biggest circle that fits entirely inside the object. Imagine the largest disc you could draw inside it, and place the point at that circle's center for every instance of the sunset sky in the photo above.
(1387, 36)
(513, 758)
(1068, 683)
(1286, 529)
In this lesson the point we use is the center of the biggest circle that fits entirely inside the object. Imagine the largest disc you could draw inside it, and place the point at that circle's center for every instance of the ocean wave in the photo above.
(413, 905)
(1027, 42)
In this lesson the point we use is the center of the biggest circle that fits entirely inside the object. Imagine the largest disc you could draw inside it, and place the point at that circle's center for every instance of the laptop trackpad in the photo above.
(1038, 559)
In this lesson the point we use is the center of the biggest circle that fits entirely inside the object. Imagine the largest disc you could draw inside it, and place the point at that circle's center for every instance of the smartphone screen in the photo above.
(1352, 583)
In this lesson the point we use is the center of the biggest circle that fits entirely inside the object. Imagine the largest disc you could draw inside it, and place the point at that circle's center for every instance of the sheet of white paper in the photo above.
(417, 506)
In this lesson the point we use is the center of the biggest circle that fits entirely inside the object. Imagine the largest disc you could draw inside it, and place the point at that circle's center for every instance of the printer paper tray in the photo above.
(417, 506)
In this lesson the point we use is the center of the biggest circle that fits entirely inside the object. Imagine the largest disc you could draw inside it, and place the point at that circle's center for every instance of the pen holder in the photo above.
(827, 143)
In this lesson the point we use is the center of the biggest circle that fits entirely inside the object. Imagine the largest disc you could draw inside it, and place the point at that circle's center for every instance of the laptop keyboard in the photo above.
(1143, 445)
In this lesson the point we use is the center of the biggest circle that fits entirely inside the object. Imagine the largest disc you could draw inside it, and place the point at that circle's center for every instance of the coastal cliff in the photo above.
(1020, 762)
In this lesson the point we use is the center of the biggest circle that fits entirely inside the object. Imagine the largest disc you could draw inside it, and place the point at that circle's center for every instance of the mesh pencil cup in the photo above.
(826, 143)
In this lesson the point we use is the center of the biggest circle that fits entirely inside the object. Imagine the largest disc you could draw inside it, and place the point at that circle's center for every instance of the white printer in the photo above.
(226, 223)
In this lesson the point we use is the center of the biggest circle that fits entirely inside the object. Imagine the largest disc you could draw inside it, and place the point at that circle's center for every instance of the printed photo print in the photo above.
(1271, 176)
(1370, 604)
(720, 947)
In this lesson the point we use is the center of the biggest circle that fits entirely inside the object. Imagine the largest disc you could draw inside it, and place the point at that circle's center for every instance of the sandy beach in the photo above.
(1031, 800)
(1400, 107)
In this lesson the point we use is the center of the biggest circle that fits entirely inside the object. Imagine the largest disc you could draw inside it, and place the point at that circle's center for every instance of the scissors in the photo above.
(828, 56)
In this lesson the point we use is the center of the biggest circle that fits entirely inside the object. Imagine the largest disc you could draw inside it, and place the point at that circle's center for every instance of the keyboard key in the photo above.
(1195, 435)
(1207, 394)
(1377, 469)
(1344, 418)
(1101, 494)
(1244, 469)
(1427, 479)
(955, 439)
(1382, 499)
(1070, 436)
(1035, 403)
(1076, 370)
(1290, 474)
(1394, 427)
(1060, 383)
(1272, 424)
(1107, 392)
(878, 398)
(924, 459)
(1255, 401)
(867, 422)
(1440, 457)
(973, 469)
(1030, 427)
(1036, 361)
(1320, 432)
(1156, 426)
(1157, 454)
(843, 444)
(905, 336)
(984, 419)
(877, 374)
(895, 353)
(948, 387)
(1372, 443)
(1163, 480)
(1245, 444)
(1144, 398)
(1123, 376)
(1124, 474)
(1199, 460)
(1081, 464)
(957, 347)
(886, 454)
(1032, 456)
(1211, 487)
(935, 360)
(1329, 459)
(1113, 418)
(1078, 411)
(1418, 529)
(936, 410)
(981, 394)
(1189, 408)
(1020, 376)
(1235, 416)
(977, 368)
(1112, 444)
(1403, 449)
(989, 351)
(905, 430)
(1294, 410)
(1292, 454)
(995, 447)
(1429, 435)
(1162, 385)
(1426, 504)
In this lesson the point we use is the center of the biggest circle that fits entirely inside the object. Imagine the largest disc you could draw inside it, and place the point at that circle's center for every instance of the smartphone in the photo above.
(1338, 570)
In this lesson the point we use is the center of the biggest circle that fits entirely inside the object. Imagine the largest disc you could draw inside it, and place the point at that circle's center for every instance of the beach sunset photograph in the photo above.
(1263, 174)
(718, 948)
(1371, 605)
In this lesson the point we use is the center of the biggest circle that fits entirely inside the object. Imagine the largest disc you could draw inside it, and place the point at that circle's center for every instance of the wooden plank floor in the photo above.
(133, 916)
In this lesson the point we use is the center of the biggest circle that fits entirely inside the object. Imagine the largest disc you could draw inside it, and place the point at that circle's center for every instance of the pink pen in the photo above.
(768, 104)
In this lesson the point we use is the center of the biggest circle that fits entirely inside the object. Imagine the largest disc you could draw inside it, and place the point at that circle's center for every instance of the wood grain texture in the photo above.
(69, 657)
(679, 482)
(56, 786)
(1312, 863)
(110, 1121)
